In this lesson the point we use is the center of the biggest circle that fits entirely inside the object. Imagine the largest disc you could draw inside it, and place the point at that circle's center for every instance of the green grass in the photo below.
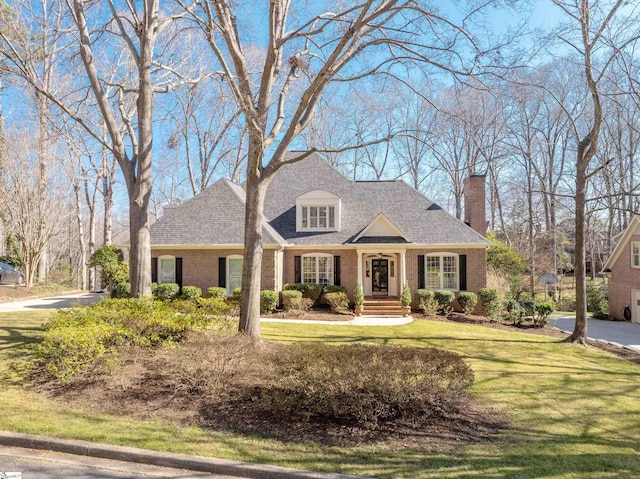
(575, 412)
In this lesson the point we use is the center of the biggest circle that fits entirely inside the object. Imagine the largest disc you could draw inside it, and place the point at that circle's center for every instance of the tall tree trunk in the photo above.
(83, 249)
(579, 334)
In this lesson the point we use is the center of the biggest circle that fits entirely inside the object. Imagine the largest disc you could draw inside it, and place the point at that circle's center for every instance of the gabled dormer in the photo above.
(318, 210)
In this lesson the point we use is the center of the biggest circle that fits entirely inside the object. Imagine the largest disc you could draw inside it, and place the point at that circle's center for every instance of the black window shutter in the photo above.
(222, 272)
(154, 270)
(297, 266)
(420, 271)
(463, 272)
(179, 271)
(336, 270)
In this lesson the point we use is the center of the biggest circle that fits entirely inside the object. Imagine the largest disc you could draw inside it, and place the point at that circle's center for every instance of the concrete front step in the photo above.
(382, 307)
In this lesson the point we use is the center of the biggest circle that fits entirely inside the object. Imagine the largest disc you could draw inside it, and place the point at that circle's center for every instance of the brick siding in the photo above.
(624, 278)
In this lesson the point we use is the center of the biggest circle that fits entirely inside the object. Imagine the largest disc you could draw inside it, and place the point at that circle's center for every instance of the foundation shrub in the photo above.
(335, 289)
(598, 300)
(490, 301)
(217, 293)
(338, 301)
(215, 306)
(268, 301)
(167, 291)
(405, 297)
(514, 312)
(467, 301)
(191, 292)
(308, 290)
(236, 295)
(426, 301)
(291, 299)
(445, 301)
(343, 384)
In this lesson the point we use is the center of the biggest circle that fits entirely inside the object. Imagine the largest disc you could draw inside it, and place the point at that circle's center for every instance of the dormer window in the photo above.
(318, 210)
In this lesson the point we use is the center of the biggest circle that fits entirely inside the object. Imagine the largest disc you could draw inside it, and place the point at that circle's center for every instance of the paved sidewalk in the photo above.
(357, 321)
(619, 333)
(223, 467)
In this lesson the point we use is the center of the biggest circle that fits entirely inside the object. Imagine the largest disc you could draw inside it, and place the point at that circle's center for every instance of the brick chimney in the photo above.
(475, 214)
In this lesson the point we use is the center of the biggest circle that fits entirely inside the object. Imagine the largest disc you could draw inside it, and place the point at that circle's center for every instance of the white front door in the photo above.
(635, 306)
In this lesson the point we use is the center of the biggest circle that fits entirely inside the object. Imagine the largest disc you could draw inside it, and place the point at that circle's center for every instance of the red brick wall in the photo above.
(474, 203)
(624, 278)
(200, 266)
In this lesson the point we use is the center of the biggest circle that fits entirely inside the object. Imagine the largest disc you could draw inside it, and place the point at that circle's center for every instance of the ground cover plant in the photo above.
(574, 411)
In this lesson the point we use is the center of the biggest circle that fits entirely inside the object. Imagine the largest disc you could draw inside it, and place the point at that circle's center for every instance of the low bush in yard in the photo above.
(291, 299)
(308, 290)
(217, 293)
(363, 385)
(467, 301)
(445, 301)
(191, 292)
(268, 301)
(78, 336)
(167, 291)
(426, 301)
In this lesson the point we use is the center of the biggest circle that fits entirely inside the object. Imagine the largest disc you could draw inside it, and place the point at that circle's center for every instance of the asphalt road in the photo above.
(36, 464)
(51, 302)
(619, 332)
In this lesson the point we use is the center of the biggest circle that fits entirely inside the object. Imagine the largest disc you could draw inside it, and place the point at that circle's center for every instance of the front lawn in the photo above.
(574, 412)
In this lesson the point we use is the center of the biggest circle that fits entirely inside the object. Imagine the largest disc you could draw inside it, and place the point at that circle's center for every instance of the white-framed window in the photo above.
(441, 271)
(635, 254)
(318, 210)
(166, 269)
(317, 269)
(234, 272)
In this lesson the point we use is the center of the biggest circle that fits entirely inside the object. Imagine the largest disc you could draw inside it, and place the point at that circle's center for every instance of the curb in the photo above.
(165, 459)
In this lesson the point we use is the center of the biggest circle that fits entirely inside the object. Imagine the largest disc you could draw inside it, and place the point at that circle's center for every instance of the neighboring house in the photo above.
(623, 267)
(320, 227)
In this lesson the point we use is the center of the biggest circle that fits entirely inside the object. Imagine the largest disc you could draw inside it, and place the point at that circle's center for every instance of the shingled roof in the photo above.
(216, 216)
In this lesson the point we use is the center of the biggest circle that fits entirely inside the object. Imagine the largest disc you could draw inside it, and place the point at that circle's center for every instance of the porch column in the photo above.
(359, 278)
(403, 269)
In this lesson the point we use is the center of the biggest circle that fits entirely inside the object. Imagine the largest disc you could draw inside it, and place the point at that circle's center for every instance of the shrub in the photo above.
(405, 297)
(359, 295)
(121, 290)
(217, 293)
(268, 301)
(338, 301)
(191, 292)
(291, 299)
(215, 306)
(308, 290)
(514, 312)
(335, 289)
(597, 300)
(167, 291)
(426, 302)
(542, 313)
(80, 335)
(490, 301)
(444, 299)
(467, 301)
(113, 268)
(565, 304)
(343, 384)
(236, 295)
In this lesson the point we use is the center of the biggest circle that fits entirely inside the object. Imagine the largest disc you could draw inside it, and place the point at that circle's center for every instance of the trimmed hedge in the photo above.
(121, 291)
(490, 301)
(308, 290)
(426, 301)
(217, 293)
(338, 301)
(268, 301)
(467, 301)
(445, 301)
(167, 291)
(291, 299)
(191, 292)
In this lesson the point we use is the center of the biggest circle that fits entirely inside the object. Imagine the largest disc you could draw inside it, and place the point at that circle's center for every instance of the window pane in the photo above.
(235, 273)
(309, 269)
(167, 270)
(433, 272)
(325, 270)
(313, 216)
(305, 220)
(322, 216)
(332, 217)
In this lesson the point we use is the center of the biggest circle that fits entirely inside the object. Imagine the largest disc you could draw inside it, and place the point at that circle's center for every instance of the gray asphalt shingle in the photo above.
(216, 216)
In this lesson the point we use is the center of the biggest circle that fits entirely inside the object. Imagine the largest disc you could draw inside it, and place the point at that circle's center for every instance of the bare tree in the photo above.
(306, 50)
(595, 31)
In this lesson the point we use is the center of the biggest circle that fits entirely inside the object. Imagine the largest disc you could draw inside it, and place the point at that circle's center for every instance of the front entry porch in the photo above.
(382, 306)
(381, 272)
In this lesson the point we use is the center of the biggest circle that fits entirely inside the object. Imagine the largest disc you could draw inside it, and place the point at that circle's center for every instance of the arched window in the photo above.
(317, 268)
(234, 272)
(166, 269)
(441, 271)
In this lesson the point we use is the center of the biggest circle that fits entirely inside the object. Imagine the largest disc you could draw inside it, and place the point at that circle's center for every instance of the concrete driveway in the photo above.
(622, 333)
(52, 302)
